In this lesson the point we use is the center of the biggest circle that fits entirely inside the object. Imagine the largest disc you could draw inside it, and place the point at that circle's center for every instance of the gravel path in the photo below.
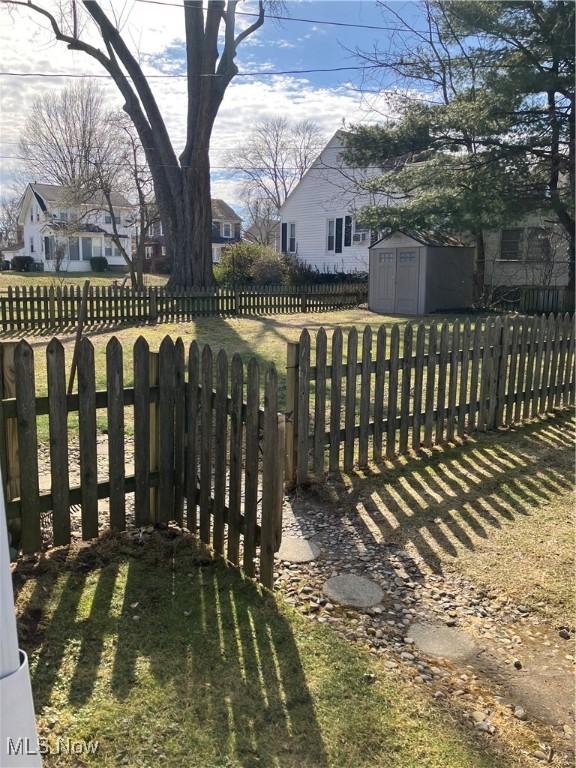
(519, 673)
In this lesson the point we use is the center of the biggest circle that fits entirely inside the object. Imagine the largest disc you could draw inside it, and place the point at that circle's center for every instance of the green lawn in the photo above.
(214, 674)
(12, 279)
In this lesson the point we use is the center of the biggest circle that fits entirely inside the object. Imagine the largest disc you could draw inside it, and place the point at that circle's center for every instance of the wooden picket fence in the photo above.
(51, 307)
(438, 385)
(203, 453)
(545, 299)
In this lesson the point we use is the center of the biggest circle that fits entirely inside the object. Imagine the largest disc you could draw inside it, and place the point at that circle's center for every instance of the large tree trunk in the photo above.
(192, 249)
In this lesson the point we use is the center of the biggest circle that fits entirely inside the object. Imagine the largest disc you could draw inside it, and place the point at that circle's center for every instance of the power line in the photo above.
(352, 25)
(206, 74)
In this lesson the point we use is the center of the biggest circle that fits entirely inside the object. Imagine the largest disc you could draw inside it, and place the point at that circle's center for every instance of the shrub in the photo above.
(268, 269)
(237, 261)
(99, 263)
(22, 263)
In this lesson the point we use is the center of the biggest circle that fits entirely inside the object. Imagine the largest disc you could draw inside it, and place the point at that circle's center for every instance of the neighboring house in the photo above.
(226, 229)
(534, 252)
(318, 221)
(264, 232)
(62, 235)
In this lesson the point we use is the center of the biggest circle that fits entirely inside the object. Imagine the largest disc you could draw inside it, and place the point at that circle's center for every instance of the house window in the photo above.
(86, 248)
(107, 218)
(538, 246)
(48, 247)
(74, 247)
(511, 244)
(63, 215)
(359, 227)
(291, 237)
(216, 255)
(148, 251)
(226, 229)
(331, 232)
(31, 245)
(108, 251)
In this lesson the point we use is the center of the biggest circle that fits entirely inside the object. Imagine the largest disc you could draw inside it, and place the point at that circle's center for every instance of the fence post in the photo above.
(153, 307)
(291, 428)
(500, 369)
(10, 455)
(51, 307)
(154, 379)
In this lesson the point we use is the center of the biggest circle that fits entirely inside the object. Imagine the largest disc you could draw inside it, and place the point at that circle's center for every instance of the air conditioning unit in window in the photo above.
(356, 238)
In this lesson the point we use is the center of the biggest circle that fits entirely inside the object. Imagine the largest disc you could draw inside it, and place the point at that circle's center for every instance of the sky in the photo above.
(155, 32)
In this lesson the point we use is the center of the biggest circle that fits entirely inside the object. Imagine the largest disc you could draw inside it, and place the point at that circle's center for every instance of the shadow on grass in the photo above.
(204, 642)
(444, 501)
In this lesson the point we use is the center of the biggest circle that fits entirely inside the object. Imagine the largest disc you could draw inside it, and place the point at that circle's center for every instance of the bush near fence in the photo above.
(204, 456)
(49, 308)
(446, 383)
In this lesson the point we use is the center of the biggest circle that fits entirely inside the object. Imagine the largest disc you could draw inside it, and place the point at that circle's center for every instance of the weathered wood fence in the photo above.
(545, 299)
(421, 388)
(58, 307)
(204, 453)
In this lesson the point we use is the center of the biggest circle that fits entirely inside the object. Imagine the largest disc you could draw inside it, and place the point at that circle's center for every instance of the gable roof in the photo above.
(58, 194)
(437, 239)
(221, 211)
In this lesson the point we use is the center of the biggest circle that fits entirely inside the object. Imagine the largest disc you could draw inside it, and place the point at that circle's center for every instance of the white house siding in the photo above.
(37, 226)
(327, 192)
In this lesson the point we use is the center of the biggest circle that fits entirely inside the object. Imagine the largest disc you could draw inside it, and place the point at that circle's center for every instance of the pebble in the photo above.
(407, 656)
(517, 664)
(520, 713)
(564, 634)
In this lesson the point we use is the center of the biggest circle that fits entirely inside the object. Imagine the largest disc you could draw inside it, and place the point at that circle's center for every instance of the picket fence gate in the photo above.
(205, 454)
(443, 383)
(49, 307)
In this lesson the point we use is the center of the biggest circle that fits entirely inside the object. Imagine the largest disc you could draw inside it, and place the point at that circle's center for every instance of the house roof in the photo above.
(57, 194)
(437, 239)
(221, 211)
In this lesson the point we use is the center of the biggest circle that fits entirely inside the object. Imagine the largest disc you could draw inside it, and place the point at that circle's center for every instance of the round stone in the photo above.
(443, 642)
(355, 591)
(295, 550)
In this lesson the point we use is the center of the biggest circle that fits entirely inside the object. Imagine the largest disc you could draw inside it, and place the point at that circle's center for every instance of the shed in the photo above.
(414, 273)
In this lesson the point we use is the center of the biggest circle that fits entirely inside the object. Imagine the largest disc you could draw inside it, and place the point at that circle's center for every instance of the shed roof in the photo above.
(436, 239)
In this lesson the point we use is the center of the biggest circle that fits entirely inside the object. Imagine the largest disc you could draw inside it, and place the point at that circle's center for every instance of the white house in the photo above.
(318, 222)
(58, 232)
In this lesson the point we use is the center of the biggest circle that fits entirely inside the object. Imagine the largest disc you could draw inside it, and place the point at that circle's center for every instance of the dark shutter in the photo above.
(348, 230)
(215, 231)
(47, 251)
(338, 248)
(284, 238)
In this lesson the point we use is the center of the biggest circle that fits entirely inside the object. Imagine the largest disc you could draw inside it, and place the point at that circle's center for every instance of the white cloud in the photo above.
(27, 45)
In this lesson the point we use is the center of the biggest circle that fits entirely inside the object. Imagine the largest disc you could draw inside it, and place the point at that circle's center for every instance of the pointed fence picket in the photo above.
(208, 459)
(431, 387)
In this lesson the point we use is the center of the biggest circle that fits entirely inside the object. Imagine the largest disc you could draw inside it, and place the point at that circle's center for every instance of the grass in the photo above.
(213, 673)
(499, 509)
(12, 279)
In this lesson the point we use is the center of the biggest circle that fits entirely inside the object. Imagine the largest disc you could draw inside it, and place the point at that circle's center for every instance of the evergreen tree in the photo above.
(495, 139)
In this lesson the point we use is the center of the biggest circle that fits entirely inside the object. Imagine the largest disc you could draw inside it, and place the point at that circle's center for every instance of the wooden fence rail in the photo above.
(208, 458)
(51, 307)
(390, 394)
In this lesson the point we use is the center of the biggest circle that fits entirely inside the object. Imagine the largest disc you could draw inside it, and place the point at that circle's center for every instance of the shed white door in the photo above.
(394, 280)
(383, 278)
(407, 274)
